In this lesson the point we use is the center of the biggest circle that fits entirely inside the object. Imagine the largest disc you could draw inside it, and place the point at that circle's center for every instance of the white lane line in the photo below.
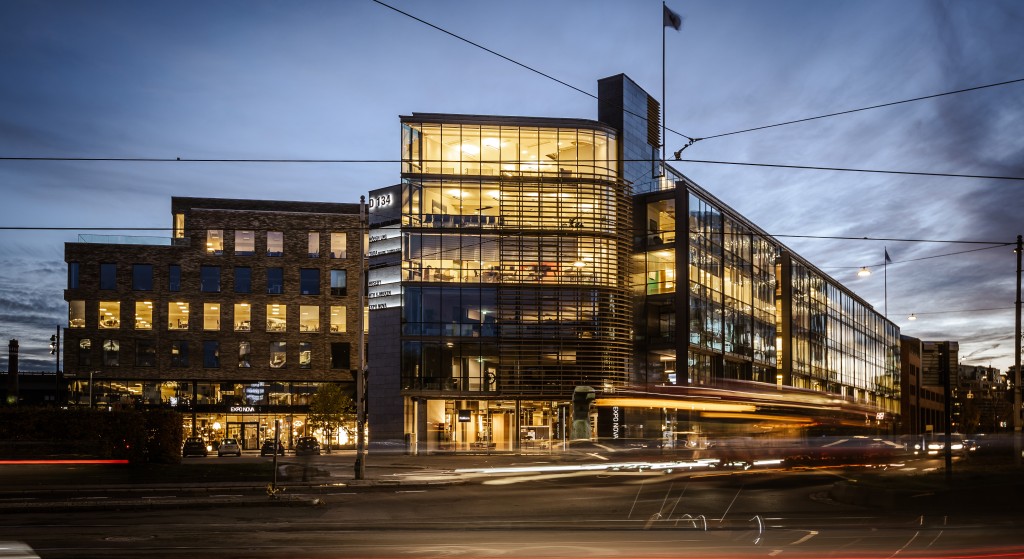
(810, 534)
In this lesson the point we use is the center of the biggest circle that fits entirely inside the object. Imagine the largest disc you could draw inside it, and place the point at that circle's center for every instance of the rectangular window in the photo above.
(309, 318)
(108, 276)
(179, 353)
(277, 318)
(177, 315)
(209, 279)
(338, 322)
(144, 315)
(245, 243)
(142, 277)
(145, 353)
(72, 275)
(305, 355)
(338, 245)
(309, 281)
(314, 244)
(243, 317)
(110, 314)
(243, 279)
(76, 314)
(111, 353)
(340, 358)
(275, 243)
(244, 353)
(339, 282)
(179, 226)
(174, 277)
(278, 354)
(275, 280)
(84, 353)
(215, 242)
(366, 320)
(211, 316)
(211, 354)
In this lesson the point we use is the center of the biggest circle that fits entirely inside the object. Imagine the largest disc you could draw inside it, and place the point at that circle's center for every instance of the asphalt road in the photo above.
(516, 507)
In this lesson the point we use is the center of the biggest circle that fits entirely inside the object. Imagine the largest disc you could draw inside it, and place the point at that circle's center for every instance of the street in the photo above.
(526, 508)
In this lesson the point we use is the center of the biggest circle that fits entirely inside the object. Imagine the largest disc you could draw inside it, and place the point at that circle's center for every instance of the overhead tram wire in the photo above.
(692, 141)
(381, 161)
(517, 63)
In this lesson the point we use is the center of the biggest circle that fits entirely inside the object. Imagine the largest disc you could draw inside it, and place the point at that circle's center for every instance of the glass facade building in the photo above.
(503, 256)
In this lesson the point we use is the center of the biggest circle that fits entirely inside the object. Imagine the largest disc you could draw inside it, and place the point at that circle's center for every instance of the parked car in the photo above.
(194, 446)
(229, 447)
(306, 446)
(268, 448)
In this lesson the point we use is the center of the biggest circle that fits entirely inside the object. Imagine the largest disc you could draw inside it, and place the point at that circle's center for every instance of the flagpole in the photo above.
(885, 278)
(664, 108)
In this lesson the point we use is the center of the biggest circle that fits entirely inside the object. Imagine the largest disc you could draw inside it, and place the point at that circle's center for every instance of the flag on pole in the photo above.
(887, 259)
(672, 19)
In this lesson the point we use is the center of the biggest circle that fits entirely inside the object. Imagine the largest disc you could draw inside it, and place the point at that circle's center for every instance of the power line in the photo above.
(516, 62)
(694, 140)
(353, 161)
(842, 238)
(893, 262)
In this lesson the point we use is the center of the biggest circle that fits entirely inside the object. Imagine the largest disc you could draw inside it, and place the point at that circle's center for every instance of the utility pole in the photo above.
(360, 465)
(1016, 366)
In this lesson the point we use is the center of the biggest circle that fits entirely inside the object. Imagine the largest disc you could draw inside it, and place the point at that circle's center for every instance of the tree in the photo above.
(330, 409)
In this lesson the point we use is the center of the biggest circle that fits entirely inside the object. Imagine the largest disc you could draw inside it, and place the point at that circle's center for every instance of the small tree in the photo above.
(330, 409)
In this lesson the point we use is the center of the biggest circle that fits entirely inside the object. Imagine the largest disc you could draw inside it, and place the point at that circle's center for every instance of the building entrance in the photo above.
(247, 433)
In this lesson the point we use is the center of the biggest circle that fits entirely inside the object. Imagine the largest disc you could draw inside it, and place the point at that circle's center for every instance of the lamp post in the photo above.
(360, 465)
(55, 350)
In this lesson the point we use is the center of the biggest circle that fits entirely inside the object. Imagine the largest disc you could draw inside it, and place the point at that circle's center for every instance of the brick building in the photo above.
(233, 320)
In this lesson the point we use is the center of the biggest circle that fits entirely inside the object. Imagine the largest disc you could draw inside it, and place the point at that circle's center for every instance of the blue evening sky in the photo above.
(329, 79)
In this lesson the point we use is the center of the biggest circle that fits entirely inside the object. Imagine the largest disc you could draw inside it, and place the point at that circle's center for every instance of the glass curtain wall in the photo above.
(517, 231)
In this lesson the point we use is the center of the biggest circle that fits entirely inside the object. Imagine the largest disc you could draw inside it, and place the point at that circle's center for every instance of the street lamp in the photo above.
(863, 272)
(55, 350)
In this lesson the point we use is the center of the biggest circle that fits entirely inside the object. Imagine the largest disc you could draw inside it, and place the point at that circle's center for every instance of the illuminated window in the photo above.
(177, 315)
(275, 243)
(305, 355)
(211, 316)
(338, 245)
(277, 318)
(245, 243)
(179, 226)
(111, 353)
(215, 241)
(110, 314)
(309, 318)
(85, 352)
(243, 317)
(314, 244)
(144, 315)
(76, 314)
(338, 323)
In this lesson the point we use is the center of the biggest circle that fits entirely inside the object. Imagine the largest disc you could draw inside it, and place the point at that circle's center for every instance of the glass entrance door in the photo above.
(247, 433)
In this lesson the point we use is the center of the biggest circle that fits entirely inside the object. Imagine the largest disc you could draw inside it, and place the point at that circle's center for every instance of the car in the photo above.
(229, 447)
(194, 446)
(306, 446)
(268, 448)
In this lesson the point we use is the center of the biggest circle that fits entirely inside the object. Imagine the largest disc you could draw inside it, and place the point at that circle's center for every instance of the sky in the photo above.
(255, 79)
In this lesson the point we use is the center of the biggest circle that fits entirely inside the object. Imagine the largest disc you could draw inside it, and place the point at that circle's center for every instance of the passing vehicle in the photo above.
(229, 447)
(194, 446)
(305, 446)
(268, 448)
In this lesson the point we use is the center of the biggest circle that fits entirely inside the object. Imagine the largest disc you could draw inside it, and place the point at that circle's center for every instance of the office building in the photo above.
(234, 319)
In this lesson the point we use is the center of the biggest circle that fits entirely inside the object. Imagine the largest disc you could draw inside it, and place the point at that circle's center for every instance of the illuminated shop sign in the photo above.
(242, 409)
(611, 422)
(385, 204)
(385, 288)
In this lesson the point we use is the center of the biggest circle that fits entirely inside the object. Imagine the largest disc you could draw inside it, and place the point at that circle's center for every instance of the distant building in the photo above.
(234, 320)
(923, 396)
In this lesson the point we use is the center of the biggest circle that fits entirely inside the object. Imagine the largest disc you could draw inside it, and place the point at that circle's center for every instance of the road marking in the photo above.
(810, 534)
